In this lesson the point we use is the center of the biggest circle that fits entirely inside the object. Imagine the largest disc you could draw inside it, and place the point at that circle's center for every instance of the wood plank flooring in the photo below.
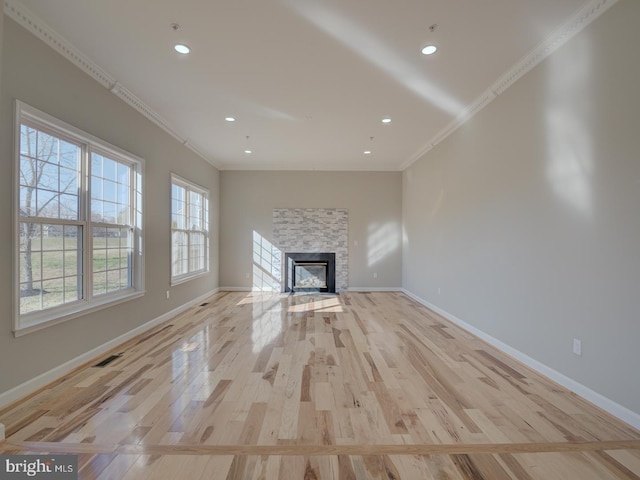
(350, 386)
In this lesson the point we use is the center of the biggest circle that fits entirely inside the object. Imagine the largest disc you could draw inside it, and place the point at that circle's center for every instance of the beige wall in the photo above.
(374, 199)
(36, 75)
(527, 218)
(1, 35)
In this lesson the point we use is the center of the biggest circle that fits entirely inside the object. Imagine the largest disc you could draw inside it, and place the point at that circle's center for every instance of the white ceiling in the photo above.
(307, 80)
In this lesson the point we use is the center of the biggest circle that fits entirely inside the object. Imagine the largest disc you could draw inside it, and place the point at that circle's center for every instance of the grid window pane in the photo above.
(189, 224)
(67, 191)
(50, 257)
(180, 253)
(28, 136)
(112, 251)
(110, 191)
(111, 245)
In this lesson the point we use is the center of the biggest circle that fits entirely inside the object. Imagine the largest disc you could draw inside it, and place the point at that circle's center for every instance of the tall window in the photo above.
(189, 230)
(79, 216)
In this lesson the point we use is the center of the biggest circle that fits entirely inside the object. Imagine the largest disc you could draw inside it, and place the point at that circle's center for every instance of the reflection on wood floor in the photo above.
(353, 386)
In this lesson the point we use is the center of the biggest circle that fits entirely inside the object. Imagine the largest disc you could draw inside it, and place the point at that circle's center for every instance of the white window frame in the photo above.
(190, 187)
(33, 321)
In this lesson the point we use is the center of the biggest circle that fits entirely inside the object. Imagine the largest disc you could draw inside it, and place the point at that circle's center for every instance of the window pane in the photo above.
(48, 189)
(47, 147)
(47, 204)
(72, 291)
(97, 211)
(69, 207)
(123, 214)
(100, 283)
(109, 191)
(109, 212)
(52, 293)
(28, 137)
(109, 169)
(112, 250)
(68, 181)
(69, 155)
(178, 193)
(96, 165)
(27, 171)
(30, 255)
(178, 207)
(123, 174)
(30, 297)
(206, 214)
(196, 251)
(189, 223)
(179, 253)
(50, 254)
(195, 211)
(96, 187)
(122, 193)
(50, 172)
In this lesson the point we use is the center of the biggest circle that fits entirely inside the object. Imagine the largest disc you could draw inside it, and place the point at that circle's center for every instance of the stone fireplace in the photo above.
(313, 232)
(310, 272)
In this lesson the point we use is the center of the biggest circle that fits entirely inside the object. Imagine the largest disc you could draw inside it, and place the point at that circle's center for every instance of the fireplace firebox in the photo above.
(310, 272)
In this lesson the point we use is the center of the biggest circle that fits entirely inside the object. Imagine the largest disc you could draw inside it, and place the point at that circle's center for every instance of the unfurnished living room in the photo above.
(300, 239)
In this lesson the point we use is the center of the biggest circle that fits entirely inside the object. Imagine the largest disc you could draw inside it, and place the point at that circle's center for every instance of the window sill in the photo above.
(29, 326)
(186, 278)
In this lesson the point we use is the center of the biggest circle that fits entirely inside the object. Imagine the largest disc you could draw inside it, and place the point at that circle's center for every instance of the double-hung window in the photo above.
(79, 218)
(189, 230)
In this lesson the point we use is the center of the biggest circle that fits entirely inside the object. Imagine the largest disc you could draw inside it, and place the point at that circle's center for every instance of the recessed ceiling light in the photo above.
(429, 50)
(386, 120)
(230, 119)
(248, 152)
(367, 152)
(181, 48)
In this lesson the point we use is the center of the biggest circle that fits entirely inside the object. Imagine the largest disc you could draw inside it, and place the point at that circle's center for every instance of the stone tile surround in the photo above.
(314, 230)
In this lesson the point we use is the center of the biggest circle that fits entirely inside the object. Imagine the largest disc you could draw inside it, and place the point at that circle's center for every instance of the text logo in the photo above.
(44, 467)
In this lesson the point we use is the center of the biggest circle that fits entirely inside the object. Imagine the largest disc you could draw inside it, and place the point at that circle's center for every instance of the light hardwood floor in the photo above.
(350, 386)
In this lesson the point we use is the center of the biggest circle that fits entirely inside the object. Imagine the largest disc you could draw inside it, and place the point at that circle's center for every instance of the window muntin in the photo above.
(50, 265)
(189, 230)
(111, 214)
(78, 221)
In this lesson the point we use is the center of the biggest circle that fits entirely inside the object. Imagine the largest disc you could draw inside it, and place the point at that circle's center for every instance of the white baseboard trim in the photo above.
(374, 289)
(45, 378)
(608, 405)
(236, 289)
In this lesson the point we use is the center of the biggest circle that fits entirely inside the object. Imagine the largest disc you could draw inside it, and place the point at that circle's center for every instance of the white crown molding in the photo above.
(585, 16)
(27, 19)
(37, 27)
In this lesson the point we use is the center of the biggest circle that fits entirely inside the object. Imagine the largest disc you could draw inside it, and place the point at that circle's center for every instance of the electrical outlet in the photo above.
(168, 294)
(439, 291)
(375, 274)
(577, 346)
(247, 275)
(355, 243)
